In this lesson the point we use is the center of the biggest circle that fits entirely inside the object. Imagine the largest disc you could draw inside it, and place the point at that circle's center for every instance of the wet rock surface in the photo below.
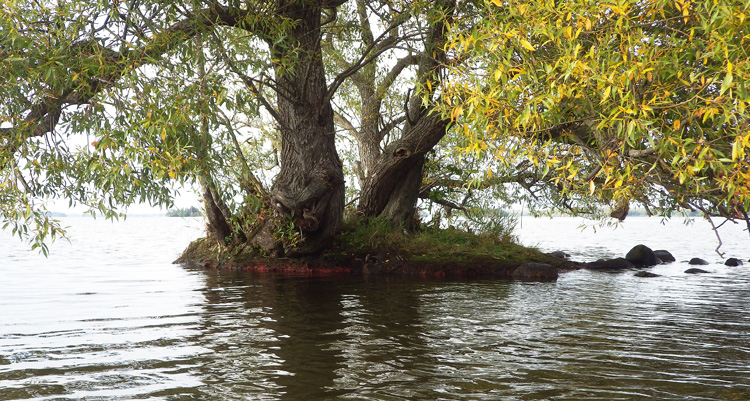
(641, 255)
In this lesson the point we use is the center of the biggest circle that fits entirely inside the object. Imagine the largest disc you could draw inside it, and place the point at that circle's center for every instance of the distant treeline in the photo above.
(184, 212)
(631, 213)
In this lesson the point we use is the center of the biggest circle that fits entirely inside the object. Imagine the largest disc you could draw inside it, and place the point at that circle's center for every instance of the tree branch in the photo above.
(346, 124)
(44, 114)
(371, 53)
(248, 82)
(394, 72)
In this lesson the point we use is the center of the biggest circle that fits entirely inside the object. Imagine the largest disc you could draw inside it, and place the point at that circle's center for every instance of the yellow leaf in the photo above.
(592, 187)
(525, 43)
(489, 172)
(737, 151)
(163, 134)
(498, 3)
(568, 32)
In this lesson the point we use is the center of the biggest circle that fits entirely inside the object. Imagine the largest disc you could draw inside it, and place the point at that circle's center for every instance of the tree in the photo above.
(80, 56)
(629, 102)
(392, 136)
(574, 103)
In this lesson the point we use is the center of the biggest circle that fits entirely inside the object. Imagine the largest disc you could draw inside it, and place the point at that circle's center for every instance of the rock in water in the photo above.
(559, 254)
(665, 256)
(695, 270)
(611, 264)
(697, 261)
(641, 255)
(535, 272)
(646, 274)
(733, 262)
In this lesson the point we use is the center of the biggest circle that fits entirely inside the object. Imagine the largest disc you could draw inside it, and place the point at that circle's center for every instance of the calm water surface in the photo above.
(110, 318)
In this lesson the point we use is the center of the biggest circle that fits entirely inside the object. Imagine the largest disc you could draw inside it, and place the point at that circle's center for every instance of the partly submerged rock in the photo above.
(641, 255)
(559, 254)
(665, 256)
(535, 272)
(695, 270)
(646, 274)
(698, 261)
(611, 264)
(733, 262)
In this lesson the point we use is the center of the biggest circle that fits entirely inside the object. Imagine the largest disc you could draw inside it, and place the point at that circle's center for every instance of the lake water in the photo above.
(108, 317)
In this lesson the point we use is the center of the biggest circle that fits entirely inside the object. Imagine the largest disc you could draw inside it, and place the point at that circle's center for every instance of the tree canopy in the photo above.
(284, 112)
(627, 102)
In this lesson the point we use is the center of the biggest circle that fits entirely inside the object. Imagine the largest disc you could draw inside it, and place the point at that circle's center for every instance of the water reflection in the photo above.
(589, 336)
(309, 338)
(136, 327)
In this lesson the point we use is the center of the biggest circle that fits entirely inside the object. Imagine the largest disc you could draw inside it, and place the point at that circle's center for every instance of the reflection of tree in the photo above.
(234, 328)
(387, 332)
(309, 338)
(307, 317)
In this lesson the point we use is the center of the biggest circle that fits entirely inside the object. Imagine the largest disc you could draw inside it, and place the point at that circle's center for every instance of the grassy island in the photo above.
(376, 247)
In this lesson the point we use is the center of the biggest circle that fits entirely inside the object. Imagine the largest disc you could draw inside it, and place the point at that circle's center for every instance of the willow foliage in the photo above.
(624, 101)
(101, 105)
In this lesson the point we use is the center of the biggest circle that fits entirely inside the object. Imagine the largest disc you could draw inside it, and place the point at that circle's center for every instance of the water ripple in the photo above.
(128, 329)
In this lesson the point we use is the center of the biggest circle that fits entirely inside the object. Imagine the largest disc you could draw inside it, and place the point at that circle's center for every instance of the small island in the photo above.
(191, 211)
(374, 246)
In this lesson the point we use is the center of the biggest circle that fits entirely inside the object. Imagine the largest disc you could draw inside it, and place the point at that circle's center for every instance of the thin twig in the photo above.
(718, 237)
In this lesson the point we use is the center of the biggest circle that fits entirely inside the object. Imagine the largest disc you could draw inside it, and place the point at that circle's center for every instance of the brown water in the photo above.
(111, 318)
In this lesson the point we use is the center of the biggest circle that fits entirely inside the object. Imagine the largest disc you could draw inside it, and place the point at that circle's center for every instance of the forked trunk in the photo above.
(391, 188)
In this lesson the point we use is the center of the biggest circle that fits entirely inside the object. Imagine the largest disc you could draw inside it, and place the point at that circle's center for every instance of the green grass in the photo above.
(378, 247)
(428, 244)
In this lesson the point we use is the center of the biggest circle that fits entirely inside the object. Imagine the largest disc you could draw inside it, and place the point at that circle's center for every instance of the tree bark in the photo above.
(309, 189)
(391, 188)
(217, 224)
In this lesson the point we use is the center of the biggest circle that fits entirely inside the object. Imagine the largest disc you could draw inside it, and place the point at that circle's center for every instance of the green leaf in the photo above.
(726, 84)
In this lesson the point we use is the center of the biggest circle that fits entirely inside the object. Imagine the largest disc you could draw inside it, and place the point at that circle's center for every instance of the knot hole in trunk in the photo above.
(402, 153)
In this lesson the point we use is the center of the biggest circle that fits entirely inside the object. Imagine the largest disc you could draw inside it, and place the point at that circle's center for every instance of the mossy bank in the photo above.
(376, 248)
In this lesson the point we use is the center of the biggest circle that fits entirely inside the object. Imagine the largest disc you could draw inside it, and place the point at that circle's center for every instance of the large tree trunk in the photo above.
(391, 189)
(400, 209)
(309, 189)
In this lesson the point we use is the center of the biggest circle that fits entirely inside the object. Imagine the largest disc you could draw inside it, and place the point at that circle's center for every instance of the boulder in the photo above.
(611, 264)
(733, 262)
(535, 272)
(695, 270)
(559, 254)
(697, 261)
(646, 274)
(641, 255)
(665, 256)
